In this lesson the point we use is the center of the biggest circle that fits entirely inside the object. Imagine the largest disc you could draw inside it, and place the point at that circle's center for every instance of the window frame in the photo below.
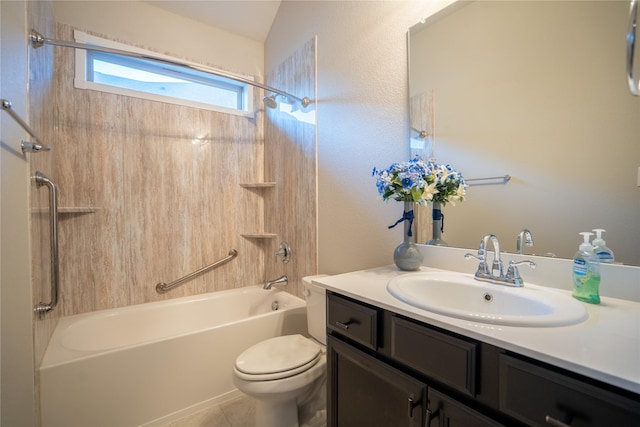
(82, 82)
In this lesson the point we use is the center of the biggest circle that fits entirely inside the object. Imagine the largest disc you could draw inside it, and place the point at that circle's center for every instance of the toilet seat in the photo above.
(277, 358)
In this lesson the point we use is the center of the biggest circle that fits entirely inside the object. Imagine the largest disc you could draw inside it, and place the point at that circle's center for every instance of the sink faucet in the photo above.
(511, 278)
(524, 237)
(496, 265)
(282, 280)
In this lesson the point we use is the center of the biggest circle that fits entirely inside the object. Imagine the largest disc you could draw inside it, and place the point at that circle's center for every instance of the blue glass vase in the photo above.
(407, 256)
(438, 226)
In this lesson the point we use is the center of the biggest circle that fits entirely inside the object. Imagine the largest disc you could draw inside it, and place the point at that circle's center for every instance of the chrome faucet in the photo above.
(524, 237)
(282, 280)
(495, 275)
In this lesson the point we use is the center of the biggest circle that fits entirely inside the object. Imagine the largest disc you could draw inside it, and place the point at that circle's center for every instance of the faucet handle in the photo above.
(513, 275)
(480, 257)
(483, 268)
(284, 251)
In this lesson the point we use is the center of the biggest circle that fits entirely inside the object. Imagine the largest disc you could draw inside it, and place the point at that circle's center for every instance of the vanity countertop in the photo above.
(605, 347)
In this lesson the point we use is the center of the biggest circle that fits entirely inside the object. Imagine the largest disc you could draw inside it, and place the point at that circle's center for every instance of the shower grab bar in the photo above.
(164, 287)
(41, 179)
(33, 147)
(632, 80)
(37, 40)
(504, 178)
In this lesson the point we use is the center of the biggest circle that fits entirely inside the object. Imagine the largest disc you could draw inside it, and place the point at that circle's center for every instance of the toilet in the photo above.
(286, 375)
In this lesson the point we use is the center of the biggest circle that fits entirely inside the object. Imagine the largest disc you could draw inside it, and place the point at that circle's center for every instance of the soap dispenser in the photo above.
(586, 273)
(599, 247)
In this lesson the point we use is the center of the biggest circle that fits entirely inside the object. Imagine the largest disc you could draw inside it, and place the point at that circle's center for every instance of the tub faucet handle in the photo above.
(284, 252)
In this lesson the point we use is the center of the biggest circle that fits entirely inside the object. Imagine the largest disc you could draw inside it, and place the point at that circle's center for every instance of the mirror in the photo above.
(535, 90)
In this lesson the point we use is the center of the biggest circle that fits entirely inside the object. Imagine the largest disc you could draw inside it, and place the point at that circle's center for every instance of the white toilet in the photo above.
(287, 374)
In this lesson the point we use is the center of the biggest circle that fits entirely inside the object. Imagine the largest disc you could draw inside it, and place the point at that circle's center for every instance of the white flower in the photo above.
(429, 191)
(458, 195)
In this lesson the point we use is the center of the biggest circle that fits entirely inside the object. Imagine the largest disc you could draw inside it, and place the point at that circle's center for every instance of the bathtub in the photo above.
(152, 363)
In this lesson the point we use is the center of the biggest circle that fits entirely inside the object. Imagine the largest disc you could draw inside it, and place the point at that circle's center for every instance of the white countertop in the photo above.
(605, 347)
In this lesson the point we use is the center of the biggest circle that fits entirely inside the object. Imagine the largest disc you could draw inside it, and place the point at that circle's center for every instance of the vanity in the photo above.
(391, 363)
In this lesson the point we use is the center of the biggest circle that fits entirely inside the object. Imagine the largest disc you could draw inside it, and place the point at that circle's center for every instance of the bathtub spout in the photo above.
(282, 280)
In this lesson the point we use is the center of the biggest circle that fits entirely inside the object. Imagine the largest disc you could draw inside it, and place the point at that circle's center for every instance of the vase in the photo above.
(407, 256)
(438, 226)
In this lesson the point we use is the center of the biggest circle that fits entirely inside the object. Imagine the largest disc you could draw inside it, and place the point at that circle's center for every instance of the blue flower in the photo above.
(420, 181)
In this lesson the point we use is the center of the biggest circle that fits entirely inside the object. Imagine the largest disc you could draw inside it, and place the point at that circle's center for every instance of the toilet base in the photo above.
(271, 413)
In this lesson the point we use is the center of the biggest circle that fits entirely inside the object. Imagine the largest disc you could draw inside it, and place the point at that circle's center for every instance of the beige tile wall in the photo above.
(161, 206)
(291, 161)
(140, 203)
(421, 116)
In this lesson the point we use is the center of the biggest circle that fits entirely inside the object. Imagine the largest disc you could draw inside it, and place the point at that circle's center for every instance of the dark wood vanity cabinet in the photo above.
(389, 371)
(367, 392)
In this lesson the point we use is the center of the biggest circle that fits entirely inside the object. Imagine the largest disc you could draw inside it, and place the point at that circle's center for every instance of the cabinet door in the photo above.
(446, 412)
(539, 396)
(364, 391)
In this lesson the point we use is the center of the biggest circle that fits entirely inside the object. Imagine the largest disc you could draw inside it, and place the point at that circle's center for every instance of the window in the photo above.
(157, 81)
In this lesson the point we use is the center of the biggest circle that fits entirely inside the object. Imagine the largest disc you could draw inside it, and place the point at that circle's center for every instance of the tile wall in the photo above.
(140, 203)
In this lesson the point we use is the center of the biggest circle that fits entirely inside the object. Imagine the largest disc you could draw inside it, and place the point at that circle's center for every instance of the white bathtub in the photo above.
(151, 363)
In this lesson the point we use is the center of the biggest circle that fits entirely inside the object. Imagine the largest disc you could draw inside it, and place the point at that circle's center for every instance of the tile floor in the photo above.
(239, 412)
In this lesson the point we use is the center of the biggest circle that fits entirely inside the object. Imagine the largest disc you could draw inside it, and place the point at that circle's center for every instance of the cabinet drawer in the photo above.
(534, 394)
(445, 358)
(352, 320)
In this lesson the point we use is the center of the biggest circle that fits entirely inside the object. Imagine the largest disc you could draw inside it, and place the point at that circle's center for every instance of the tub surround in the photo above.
(291, 162)
(604, 347)
(138, 231)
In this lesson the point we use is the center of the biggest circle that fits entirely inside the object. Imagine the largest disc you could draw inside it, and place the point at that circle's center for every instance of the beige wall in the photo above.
(17, 391)
(145, 25)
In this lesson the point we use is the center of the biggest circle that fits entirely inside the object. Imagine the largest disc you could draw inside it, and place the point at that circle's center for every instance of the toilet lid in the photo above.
(279, 357)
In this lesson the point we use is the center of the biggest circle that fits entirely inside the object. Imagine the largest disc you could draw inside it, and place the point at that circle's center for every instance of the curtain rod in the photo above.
(37, 40)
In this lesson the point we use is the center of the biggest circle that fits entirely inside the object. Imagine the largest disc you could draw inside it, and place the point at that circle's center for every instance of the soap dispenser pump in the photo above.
(600, 248)
(586, 272)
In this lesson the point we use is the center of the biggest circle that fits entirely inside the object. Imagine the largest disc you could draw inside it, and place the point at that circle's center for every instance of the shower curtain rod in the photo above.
(37, 40)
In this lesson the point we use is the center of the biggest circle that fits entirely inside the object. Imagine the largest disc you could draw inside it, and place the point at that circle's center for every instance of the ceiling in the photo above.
(248, 18)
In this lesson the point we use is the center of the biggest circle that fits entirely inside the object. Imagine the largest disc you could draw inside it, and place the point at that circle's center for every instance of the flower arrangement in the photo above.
(421, 182)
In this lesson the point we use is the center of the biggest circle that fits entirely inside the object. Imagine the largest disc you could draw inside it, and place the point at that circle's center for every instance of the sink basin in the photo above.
(460, 295)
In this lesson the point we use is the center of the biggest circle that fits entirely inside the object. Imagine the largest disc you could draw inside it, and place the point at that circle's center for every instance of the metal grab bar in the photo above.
(164, 287)
(33, 147)
(41, 179)
(632, 80)
(503, 178)
(37, 40)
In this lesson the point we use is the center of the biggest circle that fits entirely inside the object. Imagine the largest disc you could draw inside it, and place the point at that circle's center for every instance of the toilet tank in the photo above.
(316, 298)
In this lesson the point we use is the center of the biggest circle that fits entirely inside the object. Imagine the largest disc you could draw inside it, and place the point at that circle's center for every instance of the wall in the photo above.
(17, 391)
(139, 202)
(291, 162)
(362, 117)
(143, 24)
